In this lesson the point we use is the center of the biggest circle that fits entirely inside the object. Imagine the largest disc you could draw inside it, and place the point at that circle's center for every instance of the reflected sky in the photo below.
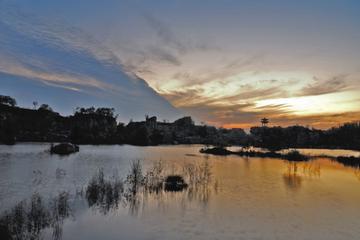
(252, 198)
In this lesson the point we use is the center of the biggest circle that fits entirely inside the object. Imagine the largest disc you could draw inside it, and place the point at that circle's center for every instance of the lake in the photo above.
(248, 198)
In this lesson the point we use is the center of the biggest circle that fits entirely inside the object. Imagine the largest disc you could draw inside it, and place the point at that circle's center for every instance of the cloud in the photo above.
(218, 70)
(222, 115)
(228, 91)
(52, 78)
(222, 110)
(167, 47)
(61, 56)
(241, 102)
(163, 55)
(165, 33)
(322, 121)
(248, 115)
(54, 32)
(320, 87)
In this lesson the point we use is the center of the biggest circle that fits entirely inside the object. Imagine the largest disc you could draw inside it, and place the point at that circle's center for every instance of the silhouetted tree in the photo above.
(107, 112)
(84, 111)
(7, 100)
(156, 137)
(45, 107)
(35, 104)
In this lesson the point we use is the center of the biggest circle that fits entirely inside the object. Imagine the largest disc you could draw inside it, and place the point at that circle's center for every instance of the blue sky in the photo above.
(228, 63)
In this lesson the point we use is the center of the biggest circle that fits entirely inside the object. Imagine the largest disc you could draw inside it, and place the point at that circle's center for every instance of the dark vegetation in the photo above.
(64, 148)
(349, 161)
(175, 183)
(100, 126)
(104, 193)
(107, 193)
(346, 136)
(86, 126)
(27, 220)
(292, 155)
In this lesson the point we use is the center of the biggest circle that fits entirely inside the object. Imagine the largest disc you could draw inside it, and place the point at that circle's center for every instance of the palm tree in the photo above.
(264, 122)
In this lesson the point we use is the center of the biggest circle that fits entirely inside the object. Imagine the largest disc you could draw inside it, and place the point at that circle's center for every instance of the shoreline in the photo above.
(179, 144)
(292, 155)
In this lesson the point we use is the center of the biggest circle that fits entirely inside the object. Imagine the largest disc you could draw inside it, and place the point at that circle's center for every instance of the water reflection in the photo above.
(28, 220)
(190, 182)
(295, 173)
(260, 194)
(104, 194)
(349, 161)
(291, 176)
(357, 173)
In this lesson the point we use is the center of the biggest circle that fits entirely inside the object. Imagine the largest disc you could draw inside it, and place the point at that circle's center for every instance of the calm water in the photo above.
(249, 198)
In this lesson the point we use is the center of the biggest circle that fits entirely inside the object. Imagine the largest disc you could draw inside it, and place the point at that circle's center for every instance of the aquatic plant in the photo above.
(198, 174)
(135, 178)
(154, 177)
(104, 193)
(28, 220)
(60, 210)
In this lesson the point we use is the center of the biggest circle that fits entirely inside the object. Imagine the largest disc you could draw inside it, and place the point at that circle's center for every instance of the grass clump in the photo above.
(27, 220)
(104, 193)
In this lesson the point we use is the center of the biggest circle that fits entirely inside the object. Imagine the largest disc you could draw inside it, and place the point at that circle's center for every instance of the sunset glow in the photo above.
(223, 64)
(179, 119)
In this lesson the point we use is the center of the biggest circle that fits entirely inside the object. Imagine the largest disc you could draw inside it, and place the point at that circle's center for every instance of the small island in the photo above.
(64, 148)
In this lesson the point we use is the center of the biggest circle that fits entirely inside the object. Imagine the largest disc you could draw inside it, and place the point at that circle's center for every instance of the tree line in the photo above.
(100, 126)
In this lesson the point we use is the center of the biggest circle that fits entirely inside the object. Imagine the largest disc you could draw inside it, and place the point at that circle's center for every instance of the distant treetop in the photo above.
(107, 112)
(45, 107)
(7, 100)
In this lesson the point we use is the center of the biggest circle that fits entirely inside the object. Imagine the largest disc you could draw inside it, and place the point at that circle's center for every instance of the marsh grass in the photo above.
(154, 177)
(60, 210)
(104, 193)
(135, 180)
(27, 220)
(198, 174)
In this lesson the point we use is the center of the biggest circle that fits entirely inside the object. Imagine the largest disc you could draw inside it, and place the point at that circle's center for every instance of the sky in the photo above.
(227, 63)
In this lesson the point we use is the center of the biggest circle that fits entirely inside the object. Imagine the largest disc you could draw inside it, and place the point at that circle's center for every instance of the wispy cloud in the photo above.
(240, 114)
(166, 47)
(165, 34)
(319, 87)
(66, 81)
(61, 56)
(163, 55)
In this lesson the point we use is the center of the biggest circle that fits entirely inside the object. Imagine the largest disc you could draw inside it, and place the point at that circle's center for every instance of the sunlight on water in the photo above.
(248, 198)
